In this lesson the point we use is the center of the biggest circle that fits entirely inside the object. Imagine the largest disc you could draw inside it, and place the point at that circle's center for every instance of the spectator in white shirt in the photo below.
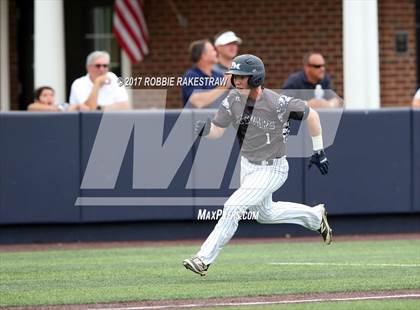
(99, 89)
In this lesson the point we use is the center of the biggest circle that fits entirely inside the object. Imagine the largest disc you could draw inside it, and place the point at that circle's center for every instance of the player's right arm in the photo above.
(315, 129)
(208, 129)
(299, 109)
(214, 129)
(318, 158)
(215, 132)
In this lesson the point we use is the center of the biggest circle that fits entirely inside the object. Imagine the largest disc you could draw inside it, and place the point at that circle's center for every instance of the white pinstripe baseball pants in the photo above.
(255, 194)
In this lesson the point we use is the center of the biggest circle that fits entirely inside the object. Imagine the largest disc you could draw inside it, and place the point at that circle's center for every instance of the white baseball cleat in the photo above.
(196, 265)
(325, 229)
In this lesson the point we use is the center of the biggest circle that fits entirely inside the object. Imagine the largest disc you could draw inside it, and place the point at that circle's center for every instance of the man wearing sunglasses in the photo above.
(312, 83)
(99, 89)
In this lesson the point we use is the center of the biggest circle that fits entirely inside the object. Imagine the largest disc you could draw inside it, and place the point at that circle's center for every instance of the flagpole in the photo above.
(126, 71)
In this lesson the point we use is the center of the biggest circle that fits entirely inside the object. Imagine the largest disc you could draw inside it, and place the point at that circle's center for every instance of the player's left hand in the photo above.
(320, 160)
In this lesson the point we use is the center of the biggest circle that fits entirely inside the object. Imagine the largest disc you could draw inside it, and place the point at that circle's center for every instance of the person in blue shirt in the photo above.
(203, 87)
(312, 83)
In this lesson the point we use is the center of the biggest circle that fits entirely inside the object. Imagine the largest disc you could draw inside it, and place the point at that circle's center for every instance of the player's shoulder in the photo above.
(275, 96)
(276, 100)
(269, 94)
(231, 98)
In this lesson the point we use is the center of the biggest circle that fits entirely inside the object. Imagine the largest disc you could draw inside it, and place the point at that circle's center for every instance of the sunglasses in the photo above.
(316, 66)
(97, 66)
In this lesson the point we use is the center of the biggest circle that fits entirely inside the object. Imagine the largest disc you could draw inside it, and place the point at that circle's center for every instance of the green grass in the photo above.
(130, 274)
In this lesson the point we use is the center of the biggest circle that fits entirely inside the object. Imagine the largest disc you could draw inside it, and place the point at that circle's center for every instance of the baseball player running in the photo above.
(261, 117)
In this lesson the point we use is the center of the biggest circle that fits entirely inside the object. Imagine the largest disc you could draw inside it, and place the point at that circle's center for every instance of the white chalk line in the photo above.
(343, 264)
(261, 303)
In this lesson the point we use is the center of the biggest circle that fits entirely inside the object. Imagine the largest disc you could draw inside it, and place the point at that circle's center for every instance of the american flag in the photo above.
(130, 29)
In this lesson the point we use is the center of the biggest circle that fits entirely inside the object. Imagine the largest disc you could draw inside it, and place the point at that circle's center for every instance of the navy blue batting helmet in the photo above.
(250, 65)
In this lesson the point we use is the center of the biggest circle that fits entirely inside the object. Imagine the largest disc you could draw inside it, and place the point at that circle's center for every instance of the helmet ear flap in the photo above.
(251, 81)
(256, 80)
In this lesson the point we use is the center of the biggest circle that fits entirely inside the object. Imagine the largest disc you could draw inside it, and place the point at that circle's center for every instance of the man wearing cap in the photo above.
(226, 43)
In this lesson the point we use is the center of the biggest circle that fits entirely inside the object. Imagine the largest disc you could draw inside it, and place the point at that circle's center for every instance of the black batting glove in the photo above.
(320, 160)
(202, 128)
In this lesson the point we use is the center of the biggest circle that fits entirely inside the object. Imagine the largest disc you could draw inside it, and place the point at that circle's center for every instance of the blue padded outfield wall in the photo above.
(45, 160)
(416, 160)
(39, 167)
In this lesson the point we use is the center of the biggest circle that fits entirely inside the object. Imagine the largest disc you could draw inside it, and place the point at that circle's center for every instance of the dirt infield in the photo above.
(239, 301)
(129, 244)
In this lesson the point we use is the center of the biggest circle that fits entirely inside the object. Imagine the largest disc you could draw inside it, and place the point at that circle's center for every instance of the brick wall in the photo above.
(279, 32)
(398, 75)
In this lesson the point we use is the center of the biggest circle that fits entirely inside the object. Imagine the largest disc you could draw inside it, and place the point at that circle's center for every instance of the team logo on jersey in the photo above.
(226, 104)
(256, 121)
(244, 120)
(283, 102)
(281, 106)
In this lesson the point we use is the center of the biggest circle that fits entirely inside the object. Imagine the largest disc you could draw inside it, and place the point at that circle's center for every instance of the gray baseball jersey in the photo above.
(263, 125)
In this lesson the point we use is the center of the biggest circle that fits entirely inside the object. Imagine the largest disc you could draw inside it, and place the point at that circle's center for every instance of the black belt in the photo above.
(263, 162)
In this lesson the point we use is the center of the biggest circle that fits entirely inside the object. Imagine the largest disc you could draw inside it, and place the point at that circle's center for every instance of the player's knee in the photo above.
(232, 210)
(263, 217)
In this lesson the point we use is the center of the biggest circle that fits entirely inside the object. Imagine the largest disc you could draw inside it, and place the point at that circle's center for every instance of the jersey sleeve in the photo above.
(291, 107)
(224, 116)
(298, 108)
